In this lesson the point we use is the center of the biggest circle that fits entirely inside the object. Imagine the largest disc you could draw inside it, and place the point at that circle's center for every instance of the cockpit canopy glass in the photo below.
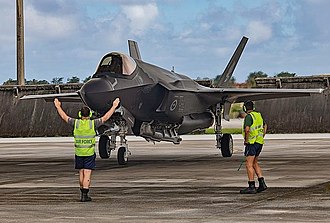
(117, 63)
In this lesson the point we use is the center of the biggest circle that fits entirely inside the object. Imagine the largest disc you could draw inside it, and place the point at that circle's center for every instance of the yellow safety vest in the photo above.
(84, 137)
(256, 133)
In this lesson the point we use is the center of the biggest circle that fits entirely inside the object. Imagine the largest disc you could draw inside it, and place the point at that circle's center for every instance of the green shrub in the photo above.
(225, 130)
(235, 109)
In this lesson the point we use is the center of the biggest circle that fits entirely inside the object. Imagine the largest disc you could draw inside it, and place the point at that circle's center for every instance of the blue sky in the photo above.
(65, 38)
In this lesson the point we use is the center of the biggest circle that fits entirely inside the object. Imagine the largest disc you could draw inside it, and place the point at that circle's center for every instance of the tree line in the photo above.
(55, 80)
(259, 74)
(250, 81)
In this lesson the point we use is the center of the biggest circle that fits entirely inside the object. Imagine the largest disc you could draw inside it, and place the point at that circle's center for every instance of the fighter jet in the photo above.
(159, 104)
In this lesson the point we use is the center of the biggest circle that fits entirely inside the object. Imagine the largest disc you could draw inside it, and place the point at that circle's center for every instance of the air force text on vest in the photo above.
(84, 141)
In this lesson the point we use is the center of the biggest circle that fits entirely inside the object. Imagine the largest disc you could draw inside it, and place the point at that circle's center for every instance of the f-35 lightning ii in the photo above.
(160, 105)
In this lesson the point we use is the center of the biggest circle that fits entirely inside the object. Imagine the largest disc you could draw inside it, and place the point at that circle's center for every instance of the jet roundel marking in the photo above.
(173, 105)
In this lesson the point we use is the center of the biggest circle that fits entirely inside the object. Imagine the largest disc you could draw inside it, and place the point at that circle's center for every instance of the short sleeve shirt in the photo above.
(248, 121)
(98, 122)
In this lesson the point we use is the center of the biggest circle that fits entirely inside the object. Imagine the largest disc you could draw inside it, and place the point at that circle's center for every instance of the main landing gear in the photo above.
(107, 143)
(224, 141)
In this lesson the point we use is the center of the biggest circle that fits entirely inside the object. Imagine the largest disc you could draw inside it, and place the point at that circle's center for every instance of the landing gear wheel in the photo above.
(227, 145)
(122, 156)
(104, 147)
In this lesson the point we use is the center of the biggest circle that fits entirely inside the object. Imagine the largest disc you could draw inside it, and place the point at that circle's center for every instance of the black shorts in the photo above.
(85, 162)
(253, 149)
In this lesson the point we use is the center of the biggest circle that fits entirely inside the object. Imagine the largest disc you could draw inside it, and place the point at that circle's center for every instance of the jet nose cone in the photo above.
(95, 93)
(96, 85)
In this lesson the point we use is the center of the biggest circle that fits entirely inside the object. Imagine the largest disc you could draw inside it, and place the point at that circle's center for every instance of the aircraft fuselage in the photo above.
(148, 93)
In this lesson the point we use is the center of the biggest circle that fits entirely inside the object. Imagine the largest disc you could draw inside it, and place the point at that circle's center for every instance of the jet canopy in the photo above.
(117, 63)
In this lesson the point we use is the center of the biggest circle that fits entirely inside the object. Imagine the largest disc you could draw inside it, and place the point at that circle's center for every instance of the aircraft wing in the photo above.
(63, 97)
(254, 94)
(235, 95)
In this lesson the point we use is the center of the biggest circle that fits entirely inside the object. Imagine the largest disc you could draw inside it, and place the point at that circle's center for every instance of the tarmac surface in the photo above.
(164, 182)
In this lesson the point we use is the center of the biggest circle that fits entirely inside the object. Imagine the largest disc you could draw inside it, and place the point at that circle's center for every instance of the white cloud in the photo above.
(141, 17)
(223, 51)
(258, 31)
(44, 26)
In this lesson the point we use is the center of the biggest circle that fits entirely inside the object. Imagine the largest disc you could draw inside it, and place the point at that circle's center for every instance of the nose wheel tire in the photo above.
(227, 145)
(104, 147)
(122, 156)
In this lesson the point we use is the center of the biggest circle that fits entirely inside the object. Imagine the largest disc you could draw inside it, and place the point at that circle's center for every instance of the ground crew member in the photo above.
(254, 130)
(84, 139)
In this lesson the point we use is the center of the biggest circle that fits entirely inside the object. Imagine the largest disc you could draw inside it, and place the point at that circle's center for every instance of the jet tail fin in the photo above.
(134, 51)
(228, 72)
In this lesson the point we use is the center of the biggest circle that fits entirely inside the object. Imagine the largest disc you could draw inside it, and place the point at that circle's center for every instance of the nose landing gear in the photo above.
(107, 143)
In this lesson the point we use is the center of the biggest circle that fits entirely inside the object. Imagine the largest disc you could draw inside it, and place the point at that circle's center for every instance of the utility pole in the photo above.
(20, 42)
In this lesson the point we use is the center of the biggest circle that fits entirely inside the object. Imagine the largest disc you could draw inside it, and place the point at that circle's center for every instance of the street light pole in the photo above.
(20, 42)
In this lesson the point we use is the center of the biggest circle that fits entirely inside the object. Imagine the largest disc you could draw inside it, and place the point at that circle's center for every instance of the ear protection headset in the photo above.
(90, 114)
(248, 104)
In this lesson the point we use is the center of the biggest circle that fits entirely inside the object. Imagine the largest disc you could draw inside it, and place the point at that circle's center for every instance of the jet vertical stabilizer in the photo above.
(228, 72)
(134, 51)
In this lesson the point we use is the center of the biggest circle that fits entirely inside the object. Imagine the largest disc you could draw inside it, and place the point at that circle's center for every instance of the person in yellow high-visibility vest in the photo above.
(84, 138)
(254, 130)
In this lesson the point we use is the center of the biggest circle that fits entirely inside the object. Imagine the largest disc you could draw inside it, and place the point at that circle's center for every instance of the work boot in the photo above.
(251, 189)
(81, 194)
(262, 185)
(85, 196)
